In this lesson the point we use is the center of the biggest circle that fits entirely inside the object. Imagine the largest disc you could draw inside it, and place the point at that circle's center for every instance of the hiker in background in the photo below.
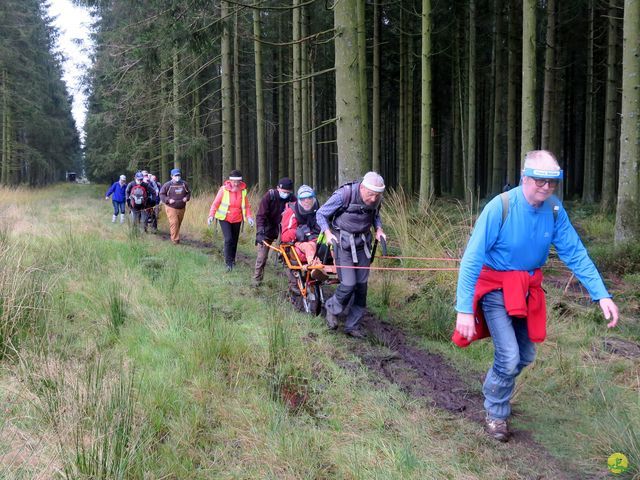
(231, 207)
(346, 220)
(137, 194)
(500, 279)
(268, 222)
(154, 202)
(119, 192)
(175, 194)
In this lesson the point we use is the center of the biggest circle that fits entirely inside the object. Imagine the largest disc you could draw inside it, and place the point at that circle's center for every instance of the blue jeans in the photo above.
(513, 351)
(118, 207)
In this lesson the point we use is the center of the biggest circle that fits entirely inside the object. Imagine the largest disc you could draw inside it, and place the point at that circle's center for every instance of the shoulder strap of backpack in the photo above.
(346, 194)
(555, 206)
(504, 196)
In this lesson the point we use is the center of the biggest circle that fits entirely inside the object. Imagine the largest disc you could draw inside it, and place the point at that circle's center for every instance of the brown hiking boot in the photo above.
(497, 429)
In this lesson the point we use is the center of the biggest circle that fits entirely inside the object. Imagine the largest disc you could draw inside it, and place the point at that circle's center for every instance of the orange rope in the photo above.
(398, 257)
(400, 269)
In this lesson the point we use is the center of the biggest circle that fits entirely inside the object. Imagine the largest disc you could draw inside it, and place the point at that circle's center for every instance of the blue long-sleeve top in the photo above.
(331, 206)
(523, 243)
(118, 191)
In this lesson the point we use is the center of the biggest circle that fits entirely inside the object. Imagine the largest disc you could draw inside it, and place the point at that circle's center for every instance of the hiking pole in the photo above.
(383, 245)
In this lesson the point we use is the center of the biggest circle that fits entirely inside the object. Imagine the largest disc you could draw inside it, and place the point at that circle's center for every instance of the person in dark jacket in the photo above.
(154, 201)
(175, 194)
(137, 195)
(268, 222)
(346, 220)
(119, 192)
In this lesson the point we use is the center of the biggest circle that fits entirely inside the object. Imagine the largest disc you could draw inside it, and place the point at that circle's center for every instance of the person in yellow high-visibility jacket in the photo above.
(231, 207)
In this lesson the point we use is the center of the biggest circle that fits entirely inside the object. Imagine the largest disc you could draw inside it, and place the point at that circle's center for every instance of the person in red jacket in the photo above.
(299, 224)
(231, 207)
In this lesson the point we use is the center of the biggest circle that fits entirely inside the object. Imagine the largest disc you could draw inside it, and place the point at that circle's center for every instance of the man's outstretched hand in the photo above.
(610, 311)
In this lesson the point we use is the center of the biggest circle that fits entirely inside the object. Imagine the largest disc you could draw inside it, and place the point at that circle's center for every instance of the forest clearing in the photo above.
(127, 357)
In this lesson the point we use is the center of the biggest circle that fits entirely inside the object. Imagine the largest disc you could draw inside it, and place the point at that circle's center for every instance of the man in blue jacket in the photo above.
(513, 235)
(118, 190)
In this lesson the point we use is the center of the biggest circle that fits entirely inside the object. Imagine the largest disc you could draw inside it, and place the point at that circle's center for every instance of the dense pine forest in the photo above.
(39, 141)
(443, 98)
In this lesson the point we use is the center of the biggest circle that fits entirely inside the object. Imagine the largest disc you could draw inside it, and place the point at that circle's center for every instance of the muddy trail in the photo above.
(392, 357)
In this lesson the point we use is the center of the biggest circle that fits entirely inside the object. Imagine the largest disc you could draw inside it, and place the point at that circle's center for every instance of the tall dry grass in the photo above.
(24, 292)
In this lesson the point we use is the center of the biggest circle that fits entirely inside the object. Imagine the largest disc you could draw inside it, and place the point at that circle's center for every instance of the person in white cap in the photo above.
(118, 190)
(500, 290)
(346, 220)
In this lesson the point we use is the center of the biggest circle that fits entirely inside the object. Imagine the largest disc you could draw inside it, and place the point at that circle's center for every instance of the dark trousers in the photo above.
(139, 218)
(231, 233)
(353, 286)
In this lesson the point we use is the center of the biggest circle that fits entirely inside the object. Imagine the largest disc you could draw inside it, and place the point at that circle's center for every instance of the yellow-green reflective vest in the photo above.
(221, 213)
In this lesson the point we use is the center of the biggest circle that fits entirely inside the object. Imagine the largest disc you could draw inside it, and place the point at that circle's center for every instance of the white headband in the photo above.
(235, 178)
(373, 188)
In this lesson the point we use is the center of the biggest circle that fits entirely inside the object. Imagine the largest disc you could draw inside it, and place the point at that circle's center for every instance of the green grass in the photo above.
(580, 400)
(146, 360)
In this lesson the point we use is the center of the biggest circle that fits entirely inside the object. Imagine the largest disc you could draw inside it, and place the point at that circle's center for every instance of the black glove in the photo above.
(303, 232)
(260, 237)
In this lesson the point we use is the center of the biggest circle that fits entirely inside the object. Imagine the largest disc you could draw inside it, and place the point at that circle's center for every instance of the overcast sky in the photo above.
(74, 24)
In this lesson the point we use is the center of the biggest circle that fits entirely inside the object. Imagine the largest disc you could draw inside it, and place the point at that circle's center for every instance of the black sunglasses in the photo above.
(541, 182)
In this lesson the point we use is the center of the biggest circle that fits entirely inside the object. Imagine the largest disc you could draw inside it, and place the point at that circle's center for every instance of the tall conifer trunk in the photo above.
(589, 176)
(628, 210)
(176, 111)
(498, 171)
(375, 127)
(528, 115)
(402, 105)
(282, 126)
(304, 100)
(260, 134)
(470, 184)
(297, 97)
(426, 179)
(227, 109)
(512, 90)
(409, 115)
(163, 175)
(362, 77)
(548, 103)
(237, 120)
(610, 127)
(348, 123)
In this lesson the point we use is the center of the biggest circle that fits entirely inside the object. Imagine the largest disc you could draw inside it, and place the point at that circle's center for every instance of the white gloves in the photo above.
(210, 221)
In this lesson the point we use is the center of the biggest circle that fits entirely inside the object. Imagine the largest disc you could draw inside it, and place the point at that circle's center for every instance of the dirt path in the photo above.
(429, 376)
(392, 356)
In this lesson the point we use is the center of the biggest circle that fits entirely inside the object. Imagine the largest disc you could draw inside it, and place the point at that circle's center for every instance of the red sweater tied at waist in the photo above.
(523, 298)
